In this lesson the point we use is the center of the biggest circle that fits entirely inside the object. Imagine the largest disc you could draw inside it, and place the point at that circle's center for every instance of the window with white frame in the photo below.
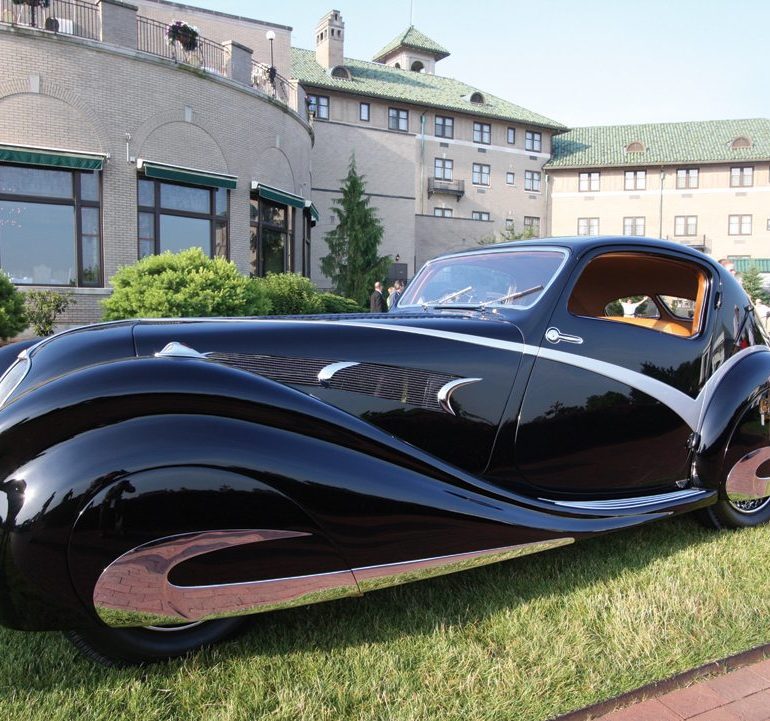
(633, 225)
(532, 180)
(442, 168)
(364, 110)
(510, 177)
(532, 223)
(318, 106)
(635, 179)
(739, 225)
(482, 133)
(589, 182)
(742, 176)
(442, 212)
(479, 215)
(686, 178)
(686, 225)
(588, 226)
(480, 174)
(511, 136)
(398, 119)
(533, 141)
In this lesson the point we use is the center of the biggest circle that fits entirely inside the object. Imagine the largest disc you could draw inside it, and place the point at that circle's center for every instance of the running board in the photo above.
(639, 504)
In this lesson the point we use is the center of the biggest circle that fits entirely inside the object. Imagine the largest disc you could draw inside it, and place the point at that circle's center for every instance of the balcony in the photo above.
(118, 24)
(446, 187)
(66, 17)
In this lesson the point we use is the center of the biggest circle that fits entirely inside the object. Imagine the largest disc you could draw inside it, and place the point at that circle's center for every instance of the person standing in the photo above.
(376, 301)
(398, 289)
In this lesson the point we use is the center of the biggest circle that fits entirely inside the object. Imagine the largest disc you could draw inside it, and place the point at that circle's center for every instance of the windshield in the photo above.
(510, 279)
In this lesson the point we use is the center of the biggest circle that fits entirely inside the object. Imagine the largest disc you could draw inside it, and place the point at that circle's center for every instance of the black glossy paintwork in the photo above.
(105, 447)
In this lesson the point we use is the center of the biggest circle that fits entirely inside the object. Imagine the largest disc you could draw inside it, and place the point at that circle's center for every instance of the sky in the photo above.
(580, 62)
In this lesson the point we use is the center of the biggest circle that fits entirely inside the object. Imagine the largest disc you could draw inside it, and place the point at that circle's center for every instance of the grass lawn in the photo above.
(527, 639)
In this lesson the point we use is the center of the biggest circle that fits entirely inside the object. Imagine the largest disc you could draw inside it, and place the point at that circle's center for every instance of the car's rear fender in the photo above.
(737, 393)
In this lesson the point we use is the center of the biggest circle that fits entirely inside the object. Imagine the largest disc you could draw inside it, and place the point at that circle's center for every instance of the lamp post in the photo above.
(271, 73)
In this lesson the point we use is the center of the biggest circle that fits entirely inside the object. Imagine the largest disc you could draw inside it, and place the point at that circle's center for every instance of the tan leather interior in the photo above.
(622, 275)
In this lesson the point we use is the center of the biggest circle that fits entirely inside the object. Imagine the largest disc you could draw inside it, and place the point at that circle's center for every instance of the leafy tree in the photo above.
(353, 263)
(43, 307)
(752, 284)
(13, 319)
(185, 284)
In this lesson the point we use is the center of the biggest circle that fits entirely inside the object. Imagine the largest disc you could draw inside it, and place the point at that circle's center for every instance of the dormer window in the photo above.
(635, 147)
(740, 142)
(341, 72)
(477, 98)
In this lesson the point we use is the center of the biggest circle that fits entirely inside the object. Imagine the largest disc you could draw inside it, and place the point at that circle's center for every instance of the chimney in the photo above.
(330, 40)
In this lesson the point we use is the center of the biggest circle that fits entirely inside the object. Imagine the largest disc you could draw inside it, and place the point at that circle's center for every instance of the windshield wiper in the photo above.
(446, 298)
(512, 296)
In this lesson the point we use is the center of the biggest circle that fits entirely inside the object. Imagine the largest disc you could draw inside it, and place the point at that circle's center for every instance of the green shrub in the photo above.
(290, 294)
(43, 307)
(338, 304)
(185, 284)
(13, 319)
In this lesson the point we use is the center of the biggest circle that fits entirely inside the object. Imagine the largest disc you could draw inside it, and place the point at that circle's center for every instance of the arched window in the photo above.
(340, 72)
(635, 147)
(397, 65)
(417, 66)
(740, 142)
(477, 98)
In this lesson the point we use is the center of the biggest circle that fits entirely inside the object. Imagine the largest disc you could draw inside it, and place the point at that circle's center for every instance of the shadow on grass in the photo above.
(46, 661)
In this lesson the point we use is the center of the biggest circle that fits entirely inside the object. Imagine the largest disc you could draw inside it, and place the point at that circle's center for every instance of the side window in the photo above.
(660, 294)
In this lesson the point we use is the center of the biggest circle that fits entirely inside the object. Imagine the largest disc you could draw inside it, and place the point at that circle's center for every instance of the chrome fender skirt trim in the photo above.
(134, 590)
(372, 578)
(743, 481)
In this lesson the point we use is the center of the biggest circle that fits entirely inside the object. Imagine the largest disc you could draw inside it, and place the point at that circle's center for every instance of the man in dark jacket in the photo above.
(376, 300)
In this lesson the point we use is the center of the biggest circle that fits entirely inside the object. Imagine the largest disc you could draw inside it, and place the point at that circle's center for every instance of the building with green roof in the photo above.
(704, 184)
(446, 163)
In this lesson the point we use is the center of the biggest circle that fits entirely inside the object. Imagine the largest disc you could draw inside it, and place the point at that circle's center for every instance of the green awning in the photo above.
(52, 158)
(181, 174)
(313, 210)
(277, 195)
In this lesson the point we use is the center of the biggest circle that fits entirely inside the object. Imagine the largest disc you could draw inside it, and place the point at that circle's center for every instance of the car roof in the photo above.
(579, 244)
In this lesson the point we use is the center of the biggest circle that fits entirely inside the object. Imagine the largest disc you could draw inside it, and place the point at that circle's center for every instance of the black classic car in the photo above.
(161, 479)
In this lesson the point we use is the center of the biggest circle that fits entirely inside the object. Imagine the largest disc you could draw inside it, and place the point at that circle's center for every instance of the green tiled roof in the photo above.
(405, 86)
(664, 144)
(413, 38)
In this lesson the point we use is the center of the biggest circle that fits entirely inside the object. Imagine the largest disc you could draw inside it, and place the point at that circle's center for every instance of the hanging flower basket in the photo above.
(33, 3)
(186, 35)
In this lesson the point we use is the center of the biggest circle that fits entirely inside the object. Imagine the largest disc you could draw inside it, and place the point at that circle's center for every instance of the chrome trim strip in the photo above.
(444, 394)
(134, 590)
(327, 372)
(620, 504)
(174, 349)
(372, 578)
(743, 482)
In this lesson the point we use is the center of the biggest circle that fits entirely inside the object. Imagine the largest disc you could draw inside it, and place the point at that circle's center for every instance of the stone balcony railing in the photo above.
(117, 23)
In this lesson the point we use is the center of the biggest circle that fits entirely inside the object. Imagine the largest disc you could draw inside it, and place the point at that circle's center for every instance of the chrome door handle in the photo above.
(554, 335)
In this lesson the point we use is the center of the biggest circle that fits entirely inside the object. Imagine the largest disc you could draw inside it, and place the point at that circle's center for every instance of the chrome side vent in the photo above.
(299, 371)
(405, 385)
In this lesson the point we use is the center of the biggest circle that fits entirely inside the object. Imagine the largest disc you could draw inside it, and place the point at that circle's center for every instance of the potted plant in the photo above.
(183, 33)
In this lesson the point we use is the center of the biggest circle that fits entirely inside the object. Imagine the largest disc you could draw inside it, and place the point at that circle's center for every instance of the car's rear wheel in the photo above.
(138, 646)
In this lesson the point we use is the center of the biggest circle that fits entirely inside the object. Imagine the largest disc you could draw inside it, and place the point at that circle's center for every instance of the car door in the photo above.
(610, 404)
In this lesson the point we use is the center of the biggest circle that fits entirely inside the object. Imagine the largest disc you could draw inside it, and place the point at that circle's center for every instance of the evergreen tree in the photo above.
(353, 263)
(752, 284)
